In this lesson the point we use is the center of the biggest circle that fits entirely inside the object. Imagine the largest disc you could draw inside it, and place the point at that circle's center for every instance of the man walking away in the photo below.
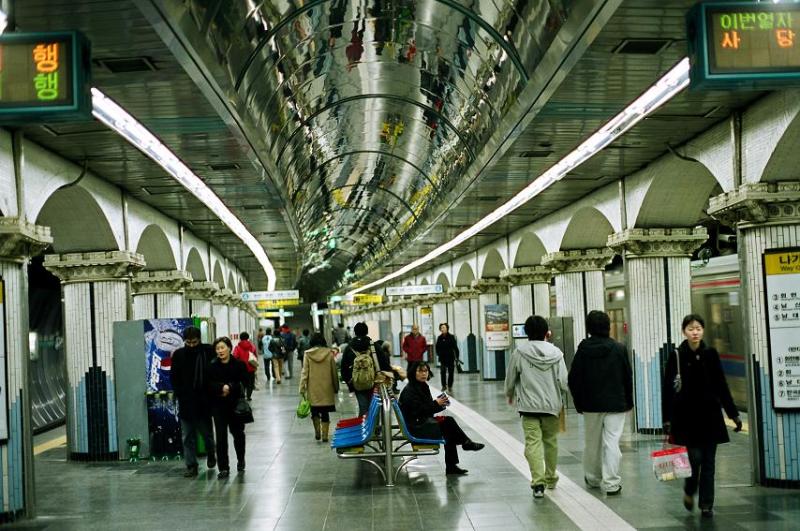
(361, 345)
(278, 351)
(290, 342)
(340, 335)
(414, 346)
(302, 345)
(535, 383)
(601, 383)
(189, 371)
(245, 352)
(267, 353)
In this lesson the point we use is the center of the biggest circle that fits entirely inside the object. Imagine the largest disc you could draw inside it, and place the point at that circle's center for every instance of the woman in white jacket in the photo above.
(535, 384)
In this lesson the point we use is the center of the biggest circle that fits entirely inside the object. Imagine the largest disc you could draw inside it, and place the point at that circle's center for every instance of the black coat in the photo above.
(232, 374)
(696, 411)
(189, 380)
(360, 344)
(418, 409)
(446, 348)
(601, 379)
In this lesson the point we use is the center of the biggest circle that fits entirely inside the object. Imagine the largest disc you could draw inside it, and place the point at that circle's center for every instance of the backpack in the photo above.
(277, 347)
(365, 368)
(289, 341)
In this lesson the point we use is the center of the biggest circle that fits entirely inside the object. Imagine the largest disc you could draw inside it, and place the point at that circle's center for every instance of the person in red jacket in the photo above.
(414, 346)
(245, 351)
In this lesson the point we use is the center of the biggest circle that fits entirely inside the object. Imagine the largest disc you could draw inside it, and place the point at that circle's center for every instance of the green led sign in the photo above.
(44, 77)
(744, 45)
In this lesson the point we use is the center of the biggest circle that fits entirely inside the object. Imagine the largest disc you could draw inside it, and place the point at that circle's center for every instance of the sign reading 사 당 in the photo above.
(741, 45)
(44, 77)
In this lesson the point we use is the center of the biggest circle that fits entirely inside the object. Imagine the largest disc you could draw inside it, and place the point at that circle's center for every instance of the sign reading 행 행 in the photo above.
(44, 77)
(744, 45)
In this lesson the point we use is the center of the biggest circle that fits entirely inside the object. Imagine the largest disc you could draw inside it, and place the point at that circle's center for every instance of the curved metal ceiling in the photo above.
(373, 110)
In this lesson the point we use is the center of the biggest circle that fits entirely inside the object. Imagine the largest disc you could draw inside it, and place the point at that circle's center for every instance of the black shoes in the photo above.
(707, 513)
(590, 485)
(191, 472)
(211, 460)
(614, 492)
(223, 474)
(240, 466)
(688, 502)
(455, 471)
(538, 491)
(472, 446)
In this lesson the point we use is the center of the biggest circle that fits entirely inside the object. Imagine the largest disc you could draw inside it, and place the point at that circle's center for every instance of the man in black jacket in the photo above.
(361, 343)
(601, 383)
(188, 374)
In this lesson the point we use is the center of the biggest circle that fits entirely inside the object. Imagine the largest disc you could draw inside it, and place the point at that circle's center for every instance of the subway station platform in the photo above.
(295, 483)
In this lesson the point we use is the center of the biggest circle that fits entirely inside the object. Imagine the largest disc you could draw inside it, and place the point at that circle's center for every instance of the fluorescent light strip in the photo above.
(114, 116)
(654, 97)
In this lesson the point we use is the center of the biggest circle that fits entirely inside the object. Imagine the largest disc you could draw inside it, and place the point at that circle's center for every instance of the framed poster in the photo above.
(426, 323)
(518, 331)
(3, 366)
(497, 336)
(782, 297)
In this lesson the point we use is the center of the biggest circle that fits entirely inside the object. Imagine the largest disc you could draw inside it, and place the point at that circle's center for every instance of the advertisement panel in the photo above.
(782, 277)
(426, 324)
(497, 330)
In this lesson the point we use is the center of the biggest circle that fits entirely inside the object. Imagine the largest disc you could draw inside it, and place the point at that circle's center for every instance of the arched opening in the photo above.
(219, 278)
(77, 223)
(588, 229)
(442, 279)
(423, 282)
(465, 275)
(154, 246)
(231, 282)
(194, 265)
(492, 265)
(662, 207)
(530, 251)
(784, 155)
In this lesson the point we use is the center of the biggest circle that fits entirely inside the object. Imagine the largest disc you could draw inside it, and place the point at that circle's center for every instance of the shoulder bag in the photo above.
(243, 412)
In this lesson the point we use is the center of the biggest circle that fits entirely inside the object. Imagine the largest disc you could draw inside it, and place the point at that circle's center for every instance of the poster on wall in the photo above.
(782, 276)
(496, 319)
(162, 337)
(3, 362)
(426, 323)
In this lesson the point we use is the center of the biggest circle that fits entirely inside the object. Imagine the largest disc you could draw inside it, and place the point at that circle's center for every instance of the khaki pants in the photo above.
(277, 369)
(541, 448)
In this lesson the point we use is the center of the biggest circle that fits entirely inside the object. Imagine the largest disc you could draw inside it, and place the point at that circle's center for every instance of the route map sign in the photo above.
(44, 77)
(744, 45)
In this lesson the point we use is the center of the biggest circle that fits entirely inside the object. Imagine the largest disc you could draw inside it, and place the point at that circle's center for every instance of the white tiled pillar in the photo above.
(657, 270)
(199, 297)
(396, 327)
(221, 314)
(234, 318)
(160, 294)
(492, 362)
(464, 326)
(529, 292)
(96, 292)
(767, 217)
(579, 284)
(19, 240)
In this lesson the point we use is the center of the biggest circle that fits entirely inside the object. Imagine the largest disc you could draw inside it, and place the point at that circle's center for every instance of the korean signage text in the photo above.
(427, 289)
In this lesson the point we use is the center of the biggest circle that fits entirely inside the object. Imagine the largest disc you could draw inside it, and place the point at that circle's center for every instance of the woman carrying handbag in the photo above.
(319, 382)
(694, 393)
(227, 378)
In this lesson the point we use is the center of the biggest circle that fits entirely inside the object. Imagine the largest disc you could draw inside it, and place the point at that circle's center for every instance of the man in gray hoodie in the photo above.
(535, 382)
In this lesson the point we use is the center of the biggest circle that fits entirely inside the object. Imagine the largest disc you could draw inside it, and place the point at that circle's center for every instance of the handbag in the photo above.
(253, 360)
(243, 412)
(671, 463)
(677, 382)
(304, 407)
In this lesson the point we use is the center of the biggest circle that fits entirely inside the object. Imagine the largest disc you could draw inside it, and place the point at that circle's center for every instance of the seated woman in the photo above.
(418, 408)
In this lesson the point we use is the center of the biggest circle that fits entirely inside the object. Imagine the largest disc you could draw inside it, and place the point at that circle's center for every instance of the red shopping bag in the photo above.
(671, 463)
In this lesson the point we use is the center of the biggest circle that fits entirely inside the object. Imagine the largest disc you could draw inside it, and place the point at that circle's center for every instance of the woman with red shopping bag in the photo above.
(694, 393)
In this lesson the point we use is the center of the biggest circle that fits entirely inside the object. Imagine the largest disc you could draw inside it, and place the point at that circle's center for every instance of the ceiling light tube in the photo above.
(114, 116)
(663, 90)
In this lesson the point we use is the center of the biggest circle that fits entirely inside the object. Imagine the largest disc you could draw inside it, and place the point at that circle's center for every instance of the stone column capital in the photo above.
(489, 285)
(462, 292)
(20, 239)
(578, 260)
(201, 290)
(527, 275)
(94, 266)
(223, 296)
(758, 204)
(145, 282)
(642, 243)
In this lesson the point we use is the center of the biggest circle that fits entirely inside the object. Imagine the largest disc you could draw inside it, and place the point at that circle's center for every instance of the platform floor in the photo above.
(295, 483)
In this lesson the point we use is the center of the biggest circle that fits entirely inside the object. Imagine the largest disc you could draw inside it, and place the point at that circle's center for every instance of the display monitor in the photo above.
(518, 331)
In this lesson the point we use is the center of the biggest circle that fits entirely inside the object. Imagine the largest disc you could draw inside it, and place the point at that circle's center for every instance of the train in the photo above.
(715, 295)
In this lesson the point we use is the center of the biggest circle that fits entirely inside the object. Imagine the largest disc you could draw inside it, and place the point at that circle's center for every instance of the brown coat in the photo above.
(319, 379)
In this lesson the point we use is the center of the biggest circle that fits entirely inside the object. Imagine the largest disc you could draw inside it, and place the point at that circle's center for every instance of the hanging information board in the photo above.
(44, 77)
(782, 277)
(744, 45)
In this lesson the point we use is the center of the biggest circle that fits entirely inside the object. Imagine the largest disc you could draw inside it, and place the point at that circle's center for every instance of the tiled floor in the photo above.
(294, 483)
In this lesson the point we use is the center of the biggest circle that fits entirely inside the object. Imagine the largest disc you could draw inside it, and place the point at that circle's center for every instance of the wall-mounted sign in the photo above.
(496, 319)
(278, 303)
(426, 324)
(44, 77)
(427, 289)
(364, 298)
(250, 296)
(744, 45)
(782, 273)
(279, 313)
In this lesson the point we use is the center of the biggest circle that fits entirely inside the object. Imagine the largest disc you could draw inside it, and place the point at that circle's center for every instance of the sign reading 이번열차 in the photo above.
(44, 77)
(782, 274)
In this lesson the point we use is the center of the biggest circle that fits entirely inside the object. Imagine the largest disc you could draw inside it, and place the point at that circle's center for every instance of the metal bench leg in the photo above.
(405, 462)
(379, 467)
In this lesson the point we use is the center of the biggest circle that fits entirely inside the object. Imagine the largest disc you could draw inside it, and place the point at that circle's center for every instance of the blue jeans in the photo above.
(363, 398)
(189, 431)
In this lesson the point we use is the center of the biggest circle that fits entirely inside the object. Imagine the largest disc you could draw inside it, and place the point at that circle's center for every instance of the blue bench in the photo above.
(355, 437)
(417, 443)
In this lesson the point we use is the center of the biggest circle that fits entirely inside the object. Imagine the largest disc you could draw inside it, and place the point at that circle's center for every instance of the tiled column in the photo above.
(234, 317)
(220, 307)
(767, 216)
(657, 269)
(529, 289)
(465, 326)
(579, 284)
(96, 292)
(19, 240)
(492, 362)
(395, 326)
(199, 296)
(160, 294)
